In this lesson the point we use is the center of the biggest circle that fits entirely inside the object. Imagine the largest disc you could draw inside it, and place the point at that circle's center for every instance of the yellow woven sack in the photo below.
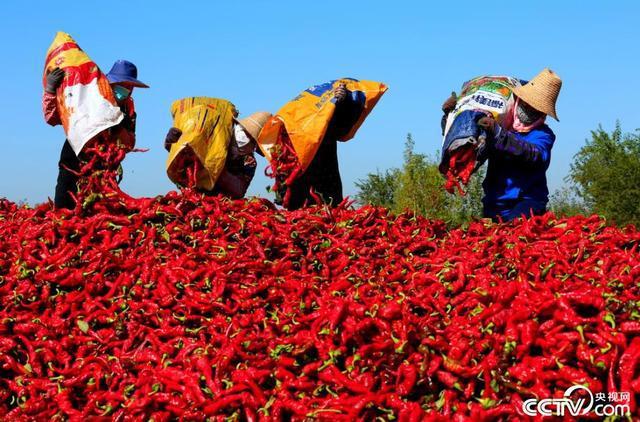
(307, 117)
(207, 126)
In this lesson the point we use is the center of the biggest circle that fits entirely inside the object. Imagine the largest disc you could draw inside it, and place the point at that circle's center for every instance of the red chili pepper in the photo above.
(630, 327)
(629, 362)
(406, 379)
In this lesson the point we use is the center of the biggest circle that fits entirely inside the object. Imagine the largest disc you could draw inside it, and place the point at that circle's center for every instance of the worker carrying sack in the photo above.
(85, 101)
(463, 144)
(291, 138)
(207, 127)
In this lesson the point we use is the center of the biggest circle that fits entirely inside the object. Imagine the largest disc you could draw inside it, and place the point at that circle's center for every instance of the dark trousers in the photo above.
(67, 181)
(514, 209)
(323, 176)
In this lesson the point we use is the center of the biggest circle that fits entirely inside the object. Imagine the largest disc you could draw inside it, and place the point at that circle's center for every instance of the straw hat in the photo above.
(541, 92)
(254, 123)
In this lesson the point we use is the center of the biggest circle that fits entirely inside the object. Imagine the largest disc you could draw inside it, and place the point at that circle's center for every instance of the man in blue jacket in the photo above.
(518, 159)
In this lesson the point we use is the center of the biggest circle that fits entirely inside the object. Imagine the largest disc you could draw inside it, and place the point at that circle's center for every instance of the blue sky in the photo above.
(259, 55)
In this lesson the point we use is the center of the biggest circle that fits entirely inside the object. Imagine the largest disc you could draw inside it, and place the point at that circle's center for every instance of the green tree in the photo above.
(378, 188)
(565, 202)
(418, 186)
(606, 172)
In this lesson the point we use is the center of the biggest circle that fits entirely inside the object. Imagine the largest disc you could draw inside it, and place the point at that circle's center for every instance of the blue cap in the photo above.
(124, 71)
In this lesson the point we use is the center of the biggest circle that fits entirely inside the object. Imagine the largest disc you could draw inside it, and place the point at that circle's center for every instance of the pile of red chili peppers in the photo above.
(184, 306)
(462, 162)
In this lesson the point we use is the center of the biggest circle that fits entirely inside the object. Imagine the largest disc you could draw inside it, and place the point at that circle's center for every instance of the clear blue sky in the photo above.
(261, 54)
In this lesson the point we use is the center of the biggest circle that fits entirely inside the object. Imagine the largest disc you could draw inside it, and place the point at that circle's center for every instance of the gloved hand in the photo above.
(489, 124)
(341, 93)
(450, 103)
(54, 79)
(172, 137)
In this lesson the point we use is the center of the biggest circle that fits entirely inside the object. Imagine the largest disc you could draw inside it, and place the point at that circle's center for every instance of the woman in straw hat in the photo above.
(516, 181)
(240, 166)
